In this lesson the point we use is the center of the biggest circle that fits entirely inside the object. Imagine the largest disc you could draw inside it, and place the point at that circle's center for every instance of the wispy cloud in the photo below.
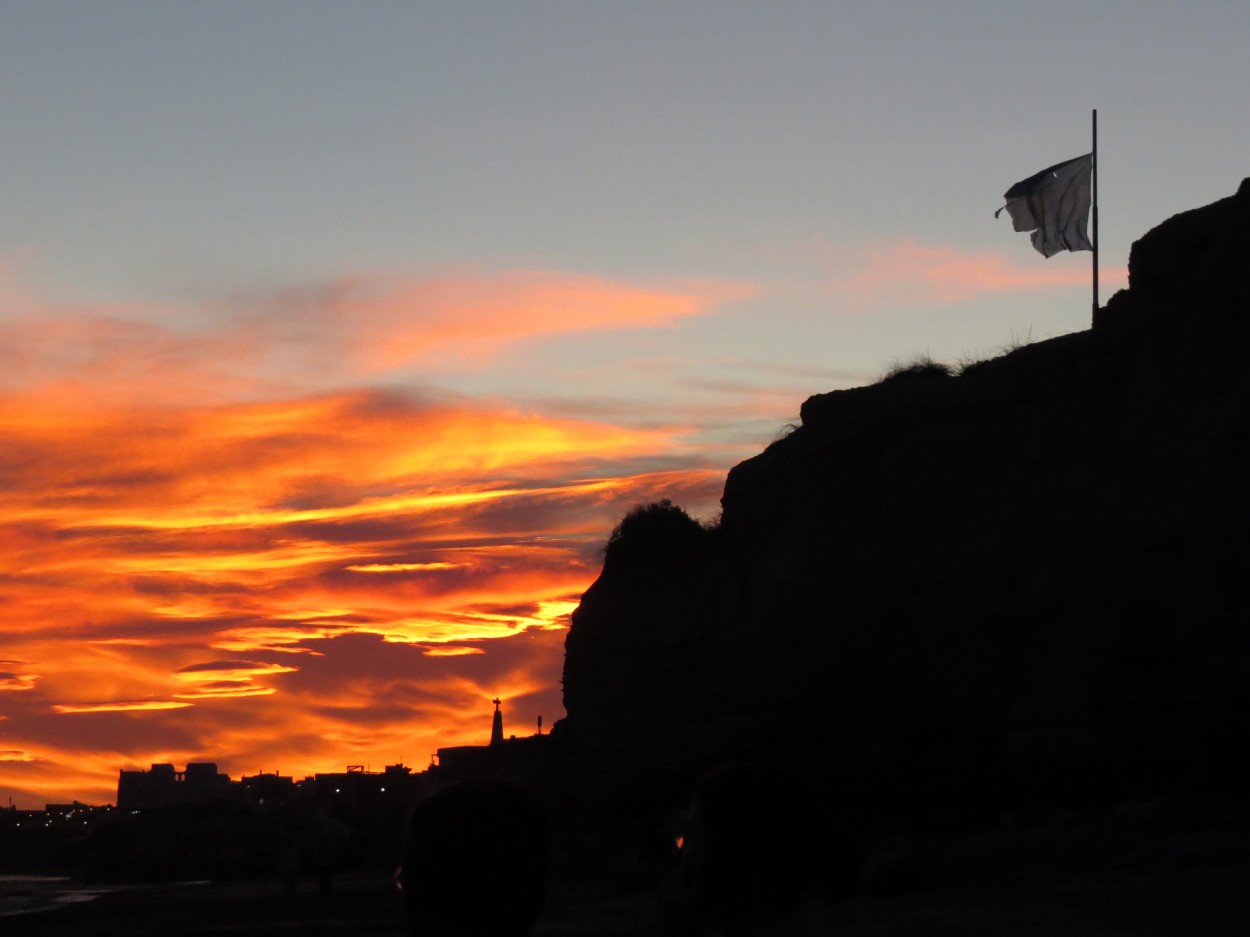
(908, 271)
(118, 706)
(891, 273)
(347, 330)
(388, 323)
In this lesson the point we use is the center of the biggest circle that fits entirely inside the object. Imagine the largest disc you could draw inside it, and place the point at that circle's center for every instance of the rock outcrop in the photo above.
(1027, 583)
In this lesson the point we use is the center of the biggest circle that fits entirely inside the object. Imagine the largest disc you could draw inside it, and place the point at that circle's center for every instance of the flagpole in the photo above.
(1094, 193)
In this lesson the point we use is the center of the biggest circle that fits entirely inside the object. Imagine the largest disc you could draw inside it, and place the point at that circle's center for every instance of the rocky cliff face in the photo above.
(1025, 583)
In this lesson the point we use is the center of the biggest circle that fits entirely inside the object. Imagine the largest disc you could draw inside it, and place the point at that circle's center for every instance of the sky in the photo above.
(336, 337)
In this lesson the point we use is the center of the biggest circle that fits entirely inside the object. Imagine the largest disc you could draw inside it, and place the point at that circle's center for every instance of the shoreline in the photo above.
(364, 904)
(24, 895)
(40, 896)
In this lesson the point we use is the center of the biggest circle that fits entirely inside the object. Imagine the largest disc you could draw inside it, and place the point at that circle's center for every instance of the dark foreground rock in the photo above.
(963, 600)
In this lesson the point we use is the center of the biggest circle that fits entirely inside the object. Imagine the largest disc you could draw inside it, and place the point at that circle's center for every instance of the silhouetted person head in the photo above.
(750, 857)
(475, 862)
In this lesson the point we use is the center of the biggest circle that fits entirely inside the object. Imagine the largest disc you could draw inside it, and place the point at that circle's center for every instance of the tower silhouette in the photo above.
(496, 727)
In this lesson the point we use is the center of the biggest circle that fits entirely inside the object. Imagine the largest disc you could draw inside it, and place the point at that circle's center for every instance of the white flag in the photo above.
(1054, 205)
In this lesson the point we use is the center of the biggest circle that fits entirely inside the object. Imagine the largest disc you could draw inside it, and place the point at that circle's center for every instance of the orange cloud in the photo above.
(226, 669)
(401, 567)
(17, 681)
(349, 330)
(474, 316)
(326, 459)
(220, 543)
(451, 651)
(915, 273)
(226, 688)
(141, 543)
(118, 706)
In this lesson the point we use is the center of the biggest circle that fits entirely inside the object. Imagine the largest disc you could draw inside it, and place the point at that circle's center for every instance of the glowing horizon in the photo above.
(313, 576)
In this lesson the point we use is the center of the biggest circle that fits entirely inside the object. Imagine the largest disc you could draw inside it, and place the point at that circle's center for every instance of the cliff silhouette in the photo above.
(1019, 587)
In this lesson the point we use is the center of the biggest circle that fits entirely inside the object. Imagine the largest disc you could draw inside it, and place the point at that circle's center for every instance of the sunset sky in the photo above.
(336, 336)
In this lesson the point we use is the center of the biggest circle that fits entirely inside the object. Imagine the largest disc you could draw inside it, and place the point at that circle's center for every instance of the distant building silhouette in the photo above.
(523, 759)
(262, 788)
(359, 788)
(162, 786)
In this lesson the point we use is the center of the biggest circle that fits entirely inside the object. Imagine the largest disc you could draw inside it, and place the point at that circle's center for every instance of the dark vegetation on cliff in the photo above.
(1019, 587)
